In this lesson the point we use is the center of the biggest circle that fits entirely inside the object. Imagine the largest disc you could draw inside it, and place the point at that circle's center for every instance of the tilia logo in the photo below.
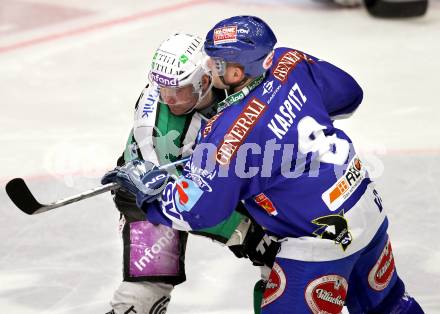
(239, 130)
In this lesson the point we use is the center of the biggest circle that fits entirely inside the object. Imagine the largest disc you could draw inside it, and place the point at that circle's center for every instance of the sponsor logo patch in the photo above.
(183, 58)
(209, 124)
(153, 252)
(262, 200)
(201, 183)
(226, 34)
(150, 102)
(163, 80)
(287, 63)
(267, 87)
(239, 130)
(326, 294)
(267, 63)
(380, 275)
(209, 175)
(187, 194)
(200, 176)
(275, 285)
(335, 196)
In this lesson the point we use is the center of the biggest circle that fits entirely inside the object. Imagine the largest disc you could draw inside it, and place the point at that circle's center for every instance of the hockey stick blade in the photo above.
(23, 198)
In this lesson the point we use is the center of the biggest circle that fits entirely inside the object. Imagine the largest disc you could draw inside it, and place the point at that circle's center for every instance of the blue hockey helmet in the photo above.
(246, 40)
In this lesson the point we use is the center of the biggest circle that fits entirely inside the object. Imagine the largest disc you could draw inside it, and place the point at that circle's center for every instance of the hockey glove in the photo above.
(141, 178)
(257, 246)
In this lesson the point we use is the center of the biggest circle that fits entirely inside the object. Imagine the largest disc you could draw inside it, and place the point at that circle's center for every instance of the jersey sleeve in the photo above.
(198, 199)
(341, 94)
(213, 181)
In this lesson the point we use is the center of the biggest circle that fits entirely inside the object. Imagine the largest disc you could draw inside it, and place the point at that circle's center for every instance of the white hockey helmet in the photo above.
(178, 62)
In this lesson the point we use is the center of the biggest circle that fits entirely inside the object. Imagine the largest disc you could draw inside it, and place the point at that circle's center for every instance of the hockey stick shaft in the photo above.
(78, 197)
(23, 198)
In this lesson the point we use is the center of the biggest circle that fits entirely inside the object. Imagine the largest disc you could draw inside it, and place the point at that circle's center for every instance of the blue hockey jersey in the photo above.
(278, 151)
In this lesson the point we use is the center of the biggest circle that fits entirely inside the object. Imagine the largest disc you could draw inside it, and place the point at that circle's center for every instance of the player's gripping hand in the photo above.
(257, 246)
(139, 177)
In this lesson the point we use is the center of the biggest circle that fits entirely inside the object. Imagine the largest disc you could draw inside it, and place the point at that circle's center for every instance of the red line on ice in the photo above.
(101, 25)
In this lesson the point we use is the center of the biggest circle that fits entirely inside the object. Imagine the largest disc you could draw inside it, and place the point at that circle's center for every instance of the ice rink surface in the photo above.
(70, 73)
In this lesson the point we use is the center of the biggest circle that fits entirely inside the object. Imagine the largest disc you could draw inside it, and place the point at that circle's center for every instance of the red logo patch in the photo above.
(380, 275)
(287, 63)
(227, 34)
(239, 130)
(183, 197)
(267, 63)
(275, 286)
(326, 294)
(262, 200)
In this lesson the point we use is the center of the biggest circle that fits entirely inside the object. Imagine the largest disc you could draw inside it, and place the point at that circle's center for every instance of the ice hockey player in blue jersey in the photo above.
(273, 145)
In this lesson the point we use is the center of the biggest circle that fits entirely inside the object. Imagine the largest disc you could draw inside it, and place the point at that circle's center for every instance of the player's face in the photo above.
(179, 99)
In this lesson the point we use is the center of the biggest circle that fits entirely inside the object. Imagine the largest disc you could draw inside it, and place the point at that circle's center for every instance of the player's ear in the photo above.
(237, 74)
(206, 81)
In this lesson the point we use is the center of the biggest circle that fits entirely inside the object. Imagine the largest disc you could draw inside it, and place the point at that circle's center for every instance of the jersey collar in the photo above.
(238, 96)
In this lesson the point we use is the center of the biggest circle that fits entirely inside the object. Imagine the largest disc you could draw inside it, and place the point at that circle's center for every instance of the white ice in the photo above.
(67, 105)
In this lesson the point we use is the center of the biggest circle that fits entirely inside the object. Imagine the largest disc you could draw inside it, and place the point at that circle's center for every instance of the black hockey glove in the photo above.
(126, 204)
(257, 246)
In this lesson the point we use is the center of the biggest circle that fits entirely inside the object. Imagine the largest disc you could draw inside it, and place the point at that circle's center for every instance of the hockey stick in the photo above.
(23, 198)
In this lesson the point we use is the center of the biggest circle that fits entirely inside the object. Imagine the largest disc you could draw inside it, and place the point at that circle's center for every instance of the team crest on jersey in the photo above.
(226, 34)
(335, 196)
(275, 285)
(326, 294)
(380, 275)
(287, 63)
(334, 227)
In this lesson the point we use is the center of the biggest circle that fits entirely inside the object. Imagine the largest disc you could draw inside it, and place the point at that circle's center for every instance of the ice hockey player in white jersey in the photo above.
(168, 116)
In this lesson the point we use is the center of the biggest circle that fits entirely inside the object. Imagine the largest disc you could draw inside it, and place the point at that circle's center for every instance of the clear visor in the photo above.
(179, 99)
(213, 65)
